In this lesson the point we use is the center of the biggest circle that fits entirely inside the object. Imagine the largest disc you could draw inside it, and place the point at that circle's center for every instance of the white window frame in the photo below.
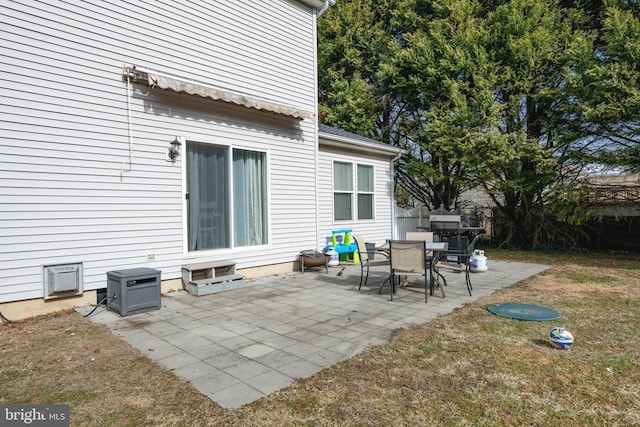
(372, 193)
(229, 147)
(353, 193)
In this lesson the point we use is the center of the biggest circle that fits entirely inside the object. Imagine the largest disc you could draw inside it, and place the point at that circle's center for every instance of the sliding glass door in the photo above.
(227, 200)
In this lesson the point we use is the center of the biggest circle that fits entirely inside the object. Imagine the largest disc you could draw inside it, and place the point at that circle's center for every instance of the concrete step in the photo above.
(216, 284)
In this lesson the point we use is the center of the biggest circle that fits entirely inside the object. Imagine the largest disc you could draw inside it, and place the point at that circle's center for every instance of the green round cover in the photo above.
(521, 311)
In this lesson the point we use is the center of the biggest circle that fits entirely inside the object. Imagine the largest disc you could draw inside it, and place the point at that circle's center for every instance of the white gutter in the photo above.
(317, 4)
(327, 3)
(364, 146)
(321, 5)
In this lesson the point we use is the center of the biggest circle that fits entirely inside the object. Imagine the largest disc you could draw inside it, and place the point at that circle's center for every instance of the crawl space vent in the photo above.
(64, 280)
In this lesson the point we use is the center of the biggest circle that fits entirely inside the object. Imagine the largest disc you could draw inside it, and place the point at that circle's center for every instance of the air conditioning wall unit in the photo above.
(62, 280)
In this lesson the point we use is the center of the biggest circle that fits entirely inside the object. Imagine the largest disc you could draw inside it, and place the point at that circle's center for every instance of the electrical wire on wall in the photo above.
(127, 71)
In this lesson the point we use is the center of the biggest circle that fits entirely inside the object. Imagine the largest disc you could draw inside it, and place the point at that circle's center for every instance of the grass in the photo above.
(467, 368)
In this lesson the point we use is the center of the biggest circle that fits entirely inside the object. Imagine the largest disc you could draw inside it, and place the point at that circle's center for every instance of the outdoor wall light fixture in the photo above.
(174, 151)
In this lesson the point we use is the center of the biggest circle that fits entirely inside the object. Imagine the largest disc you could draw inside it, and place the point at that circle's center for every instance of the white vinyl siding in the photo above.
(76, 188)
(258, 48)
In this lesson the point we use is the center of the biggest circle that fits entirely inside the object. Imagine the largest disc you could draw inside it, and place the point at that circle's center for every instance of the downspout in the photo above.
(320, 5)
(393, 196)
(321, 11)
(325, 7)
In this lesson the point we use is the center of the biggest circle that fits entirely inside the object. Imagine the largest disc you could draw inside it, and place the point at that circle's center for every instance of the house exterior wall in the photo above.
(85, 179)
(378, 230)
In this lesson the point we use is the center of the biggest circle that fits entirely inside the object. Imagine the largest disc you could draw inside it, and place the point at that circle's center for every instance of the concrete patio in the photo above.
(238, 346)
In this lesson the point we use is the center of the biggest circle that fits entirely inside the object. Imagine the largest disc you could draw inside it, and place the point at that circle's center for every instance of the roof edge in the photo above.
(358, 142)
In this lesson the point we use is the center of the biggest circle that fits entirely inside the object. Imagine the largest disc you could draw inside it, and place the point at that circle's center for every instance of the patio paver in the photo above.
(238, 346)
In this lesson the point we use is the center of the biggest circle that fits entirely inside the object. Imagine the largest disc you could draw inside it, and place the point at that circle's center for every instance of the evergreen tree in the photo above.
(514, 96)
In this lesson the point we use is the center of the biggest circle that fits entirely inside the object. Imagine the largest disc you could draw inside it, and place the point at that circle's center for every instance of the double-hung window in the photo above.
(365, 194)
(226, 197)
(353, 191)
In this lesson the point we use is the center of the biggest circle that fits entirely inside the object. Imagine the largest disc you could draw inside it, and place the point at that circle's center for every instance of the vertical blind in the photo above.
(249, 198)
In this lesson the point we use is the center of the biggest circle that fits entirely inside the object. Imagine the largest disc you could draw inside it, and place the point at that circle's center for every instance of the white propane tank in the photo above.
(333, 257)
(478, 261)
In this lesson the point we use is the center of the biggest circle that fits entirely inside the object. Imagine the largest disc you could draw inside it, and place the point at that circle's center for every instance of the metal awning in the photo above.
(179, 84)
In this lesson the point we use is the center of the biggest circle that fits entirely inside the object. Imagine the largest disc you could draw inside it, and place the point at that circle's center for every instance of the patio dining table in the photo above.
(454, 233)
(438, 249)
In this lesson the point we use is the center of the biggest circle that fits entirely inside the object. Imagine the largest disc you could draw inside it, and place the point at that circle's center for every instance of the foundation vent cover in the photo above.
(63, 280)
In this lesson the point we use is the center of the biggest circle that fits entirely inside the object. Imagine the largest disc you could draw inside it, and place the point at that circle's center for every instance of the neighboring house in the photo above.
(615, 200)
(616, 195)
(163, 134)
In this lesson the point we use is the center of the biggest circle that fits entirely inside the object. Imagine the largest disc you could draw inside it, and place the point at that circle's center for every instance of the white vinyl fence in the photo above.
(412, 218)
(409, 220)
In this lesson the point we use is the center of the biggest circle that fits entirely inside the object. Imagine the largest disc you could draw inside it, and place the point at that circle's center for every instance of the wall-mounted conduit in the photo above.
(127, 71)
